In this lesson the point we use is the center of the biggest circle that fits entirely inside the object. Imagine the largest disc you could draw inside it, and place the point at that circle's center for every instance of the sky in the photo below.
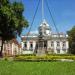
(63, 12)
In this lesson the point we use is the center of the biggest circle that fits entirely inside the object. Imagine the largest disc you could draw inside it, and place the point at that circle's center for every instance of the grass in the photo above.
(36, 68)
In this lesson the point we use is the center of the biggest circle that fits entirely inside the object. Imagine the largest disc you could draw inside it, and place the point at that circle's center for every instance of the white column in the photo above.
(43, 45)
(28, 45)
(12, 48)
(55, 51)
(34, 45)
(67, 46)
(48, 45)
(22, 44)
(61, 51)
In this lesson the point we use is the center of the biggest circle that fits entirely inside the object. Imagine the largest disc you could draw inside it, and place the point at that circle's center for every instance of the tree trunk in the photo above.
(1, 55)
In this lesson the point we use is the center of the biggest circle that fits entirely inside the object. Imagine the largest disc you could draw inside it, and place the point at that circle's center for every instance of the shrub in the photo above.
(47, 57)
(25, 55)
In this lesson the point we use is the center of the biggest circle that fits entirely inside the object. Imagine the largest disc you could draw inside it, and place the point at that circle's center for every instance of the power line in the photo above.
(33, 17)
(52, 17)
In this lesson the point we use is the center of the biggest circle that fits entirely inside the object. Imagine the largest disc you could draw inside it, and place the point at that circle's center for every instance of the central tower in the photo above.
(44, 32)
(44, 28)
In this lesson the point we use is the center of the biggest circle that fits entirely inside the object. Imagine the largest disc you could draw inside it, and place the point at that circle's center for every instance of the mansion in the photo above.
(45, 41)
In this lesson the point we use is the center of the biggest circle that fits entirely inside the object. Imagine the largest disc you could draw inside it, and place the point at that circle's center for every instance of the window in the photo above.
(52, 43)
(64, 46)
(64, 49)
(31, 45)
(58, 43)
(25, 44)
(64, 43)
(58, 50)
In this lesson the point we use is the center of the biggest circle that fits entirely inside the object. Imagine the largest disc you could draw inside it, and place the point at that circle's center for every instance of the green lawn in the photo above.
(37, 68)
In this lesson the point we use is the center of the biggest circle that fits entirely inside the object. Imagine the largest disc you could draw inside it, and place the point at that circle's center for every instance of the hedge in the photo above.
(46, 57)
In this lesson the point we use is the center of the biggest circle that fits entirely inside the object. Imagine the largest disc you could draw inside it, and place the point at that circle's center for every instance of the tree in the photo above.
(12, 21)
(71, 39)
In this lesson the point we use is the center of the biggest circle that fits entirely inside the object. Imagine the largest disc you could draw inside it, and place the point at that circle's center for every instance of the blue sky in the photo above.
(63, 12)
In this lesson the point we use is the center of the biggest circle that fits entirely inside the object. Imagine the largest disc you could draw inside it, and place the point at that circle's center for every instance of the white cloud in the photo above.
(35, 32)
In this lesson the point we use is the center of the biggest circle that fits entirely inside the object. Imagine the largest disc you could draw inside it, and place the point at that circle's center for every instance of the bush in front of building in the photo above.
(59, 54)
(26, 55)
(44, 58)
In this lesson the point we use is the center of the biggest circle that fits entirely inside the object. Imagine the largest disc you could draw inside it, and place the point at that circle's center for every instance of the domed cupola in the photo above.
(44, 29)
